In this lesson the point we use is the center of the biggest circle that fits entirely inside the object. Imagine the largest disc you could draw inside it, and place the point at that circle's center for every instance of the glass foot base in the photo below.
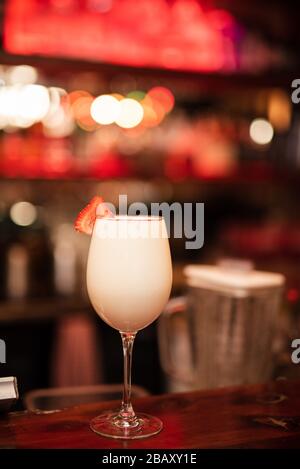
(108, 425)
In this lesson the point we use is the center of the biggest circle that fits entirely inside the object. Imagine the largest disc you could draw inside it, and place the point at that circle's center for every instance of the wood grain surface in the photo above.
(224, 418)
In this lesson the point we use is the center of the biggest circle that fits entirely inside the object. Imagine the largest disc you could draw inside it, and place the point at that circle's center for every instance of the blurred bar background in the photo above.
(203, 94)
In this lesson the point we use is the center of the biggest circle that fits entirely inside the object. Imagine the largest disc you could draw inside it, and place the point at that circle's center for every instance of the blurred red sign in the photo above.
(176, 34)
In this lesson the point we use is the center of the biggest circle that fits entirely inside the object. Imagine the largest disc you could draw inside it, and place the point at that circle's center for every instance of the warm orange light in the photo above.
(163, 96)
(81, 109)
(118, 96)
(154, 112)
(280, 110)
(150, 118)
(74, 95)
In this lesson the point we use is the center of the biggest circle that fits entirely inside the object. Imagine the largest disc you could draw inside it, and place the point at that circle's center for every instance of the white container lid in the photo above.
(236, 282)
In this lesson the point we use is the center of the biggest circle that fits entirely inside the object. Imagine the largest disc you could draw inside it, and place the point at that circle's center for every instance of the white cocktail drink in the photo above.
(129, 271)
(129, 277)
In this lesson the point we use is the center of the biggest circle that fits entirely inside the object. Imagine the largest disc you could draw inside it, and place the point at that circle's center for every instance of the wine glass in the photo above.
(129, 277)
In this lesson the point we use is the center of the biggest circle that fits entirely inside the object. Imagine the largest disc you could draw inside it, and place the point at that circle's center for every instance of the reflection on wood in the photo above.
(224, 418)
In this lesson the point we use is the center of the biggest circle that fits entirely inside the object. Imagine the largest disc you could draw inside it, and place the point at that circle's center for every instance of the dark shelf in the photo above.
(40, 309)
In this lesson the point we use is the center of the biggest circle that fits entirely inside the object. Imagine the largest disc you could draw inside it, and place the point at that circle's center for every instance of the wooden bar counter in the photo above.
(240, 417)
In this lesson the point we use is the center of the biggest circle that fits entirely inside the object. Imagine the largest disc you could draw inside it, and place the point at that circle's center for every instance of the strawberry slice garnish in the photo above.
(86, 218)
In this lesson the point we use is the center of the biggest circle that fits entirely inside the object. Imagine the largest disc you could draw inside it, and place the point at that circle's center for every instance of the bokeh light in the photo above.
(81, 109)
(105, 109)
(150, 118)
(280, 110)
(154, 112)
(59, 124)
(138, 95)
(22, 74)
(23, 105)
(118, 96)
(8, 105)
(131, 113)
(163, 96)
(33, 102)
(23, 213)
(74, 95)
(261, 131)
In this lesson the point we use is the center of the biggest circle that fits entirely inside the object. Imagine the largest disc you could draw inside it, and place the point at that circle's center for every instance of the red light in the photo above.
(163, 96)
(293, 295)
(221, 19)
(148, 33)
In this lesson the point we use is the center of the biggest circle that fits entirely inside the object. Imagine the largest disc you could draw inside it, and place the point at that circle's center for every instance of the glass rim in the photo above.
(130, 217)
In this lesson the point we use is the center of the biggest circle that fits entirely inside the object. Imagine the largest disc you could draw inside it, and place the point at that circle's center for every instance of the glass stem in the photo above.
(127, 411)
